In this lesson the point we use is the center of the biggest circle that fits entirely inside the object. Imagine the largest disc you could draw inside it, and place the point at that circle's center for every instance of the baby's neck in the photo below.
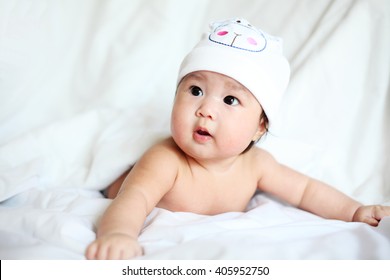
(217, 166)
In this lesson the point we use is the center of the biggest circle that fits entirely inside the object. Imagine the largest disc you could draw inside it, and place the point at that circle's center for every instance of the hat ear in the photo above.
(215, 24)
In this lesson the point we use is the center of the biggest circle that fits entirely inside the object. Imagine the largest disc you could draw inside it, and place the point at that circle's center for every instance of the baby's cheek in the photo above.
(179, 126)
(235, 144)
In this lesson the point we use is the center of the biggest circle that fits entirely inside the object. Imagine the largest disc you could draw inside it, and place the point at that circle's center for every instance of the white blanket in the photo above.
(59, 225)
(87, 86)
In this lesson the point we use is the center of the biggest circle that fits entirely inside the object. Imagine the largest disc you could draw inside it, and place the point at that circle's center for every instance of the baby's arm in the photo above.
(151, 178)
(315, 196)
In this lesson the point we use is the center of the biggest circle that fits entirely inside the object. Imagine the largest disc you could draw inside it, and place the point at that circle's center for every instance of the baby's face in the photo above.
(214, 116)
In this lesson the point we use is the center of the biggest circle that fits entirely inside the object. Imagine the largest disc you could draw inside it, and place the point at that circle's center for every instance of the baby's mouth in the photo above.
(203, 132)
(202, 135)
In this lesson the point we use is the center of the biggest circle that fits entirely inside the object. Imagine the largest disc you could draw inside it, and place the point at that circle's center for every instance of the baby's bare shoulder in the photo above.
(166, 145)
(159, 163)
(261, 156)
(263, 161)
(165, 150)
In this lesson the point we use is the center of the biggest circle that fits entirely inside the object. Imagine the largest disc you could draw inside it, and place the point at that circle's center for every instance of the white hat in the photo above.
(248, 55)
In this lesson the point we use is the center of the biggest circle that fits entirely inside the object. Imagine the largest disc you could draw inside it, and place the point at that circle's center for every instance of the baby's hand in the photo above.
(115, 246)
(371, 214)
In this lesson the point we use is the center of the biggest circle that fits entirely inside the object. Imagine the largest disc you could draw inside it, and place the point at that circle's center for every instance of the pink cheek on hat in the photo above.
(222, 33)
(251, 41)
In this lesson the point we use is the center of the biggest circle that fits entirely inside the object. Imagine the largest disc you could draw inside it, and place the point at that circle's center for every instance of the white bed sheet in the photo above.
(40, 224)
(87, 86)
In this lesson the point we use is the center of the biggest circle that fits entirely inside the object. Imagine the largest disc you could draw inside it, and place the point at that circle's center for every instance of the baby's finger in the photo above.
(138, 251)
(126, 254)
(114, 253)
(102, 252)
(90, 253)
(131, 252)
(371, 221)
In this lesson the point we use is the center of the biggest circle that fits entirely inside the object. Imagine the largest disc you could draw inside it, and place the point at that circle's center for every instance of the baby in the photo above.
(229, 88)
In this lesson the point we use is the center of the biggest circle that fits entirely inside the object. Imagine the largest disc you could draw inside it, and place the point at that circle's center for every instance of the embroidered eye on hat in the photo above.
(248, 55)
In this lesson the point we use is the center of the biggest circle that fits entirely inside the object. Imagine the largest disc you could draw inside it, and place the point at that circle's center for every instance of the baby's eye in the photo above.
(196, 91)
(231, 100)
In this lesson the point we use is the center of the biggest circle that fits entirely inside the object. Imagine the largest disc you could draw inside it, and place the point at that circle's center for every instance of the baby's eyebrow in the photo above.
(194, 76)
(237, 87)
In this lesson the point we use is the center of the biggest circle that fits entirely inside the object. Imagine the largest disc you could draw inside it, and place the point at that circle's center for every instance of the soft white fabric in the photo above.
(87, 86)
(59, 224)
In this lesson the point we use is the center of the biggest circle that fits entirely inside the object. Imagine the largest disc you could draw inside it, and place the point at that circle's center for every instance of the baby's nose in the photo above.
(207, 110)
